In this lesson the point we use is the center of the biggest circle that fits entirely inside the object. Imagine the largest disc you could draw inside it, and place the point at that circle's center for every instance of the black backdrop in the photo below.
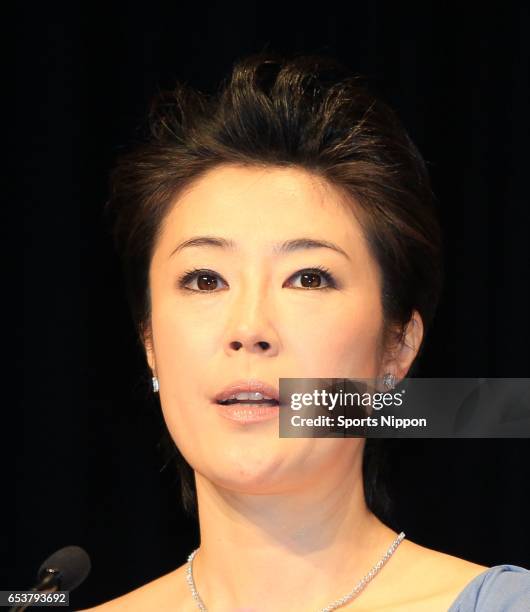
(84, 437)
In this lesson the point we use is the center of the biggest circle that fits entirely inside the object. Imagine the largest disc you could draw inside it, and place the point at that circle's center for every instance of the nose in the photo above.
(264, 345)
(251, 327)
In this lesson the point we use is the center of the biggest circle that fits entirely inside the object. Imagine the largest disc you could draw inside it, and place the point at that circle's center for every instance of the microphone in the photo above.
(65, 570)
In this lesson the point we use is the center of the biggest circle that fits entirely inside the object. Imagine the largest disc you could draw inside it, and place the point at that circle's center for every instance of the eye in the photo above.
(208, 281)
(310, 278)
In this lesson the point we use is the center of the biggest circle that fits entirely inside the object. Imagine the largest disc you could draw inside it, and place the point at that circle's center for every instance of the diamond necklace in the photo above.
(332, 606)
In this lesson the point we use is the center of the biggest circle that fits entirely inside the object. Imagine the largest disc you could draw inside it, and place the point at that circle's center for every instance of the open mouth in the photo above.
(249, 402)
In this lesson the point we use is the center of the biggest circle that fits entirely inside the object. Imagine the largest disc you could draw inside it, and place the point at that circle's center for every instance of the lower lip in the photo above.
(248, 413)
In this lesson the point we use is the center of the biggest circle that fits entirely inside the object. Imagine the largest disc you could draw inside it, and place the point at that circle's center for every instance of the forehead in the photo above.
(255, 205)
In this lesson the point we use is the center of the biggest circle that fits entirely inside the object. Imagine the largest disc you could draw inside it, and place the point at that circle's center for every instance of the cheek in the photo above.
(342, 344)
(181, 343)
(183, 352)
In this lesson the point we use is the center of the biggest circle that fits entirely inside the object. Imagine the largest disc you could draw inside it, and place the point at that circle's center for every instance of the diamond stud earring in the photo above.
(389, 381)
(156, 385)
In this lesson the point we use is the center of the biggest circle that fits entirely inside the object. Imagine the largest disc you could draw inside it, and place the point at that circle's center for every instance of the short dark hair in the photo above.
(305, 112)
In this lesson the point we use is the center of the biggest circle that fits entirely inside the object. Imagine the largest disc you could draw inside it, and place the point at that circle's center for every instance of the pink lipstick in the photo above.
(248, 401)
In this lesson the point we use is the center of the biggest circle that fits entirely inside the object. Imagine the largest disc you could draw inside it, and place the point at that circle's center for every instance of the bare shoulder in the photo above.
(167, 593)
(444, 568)
(429, 580)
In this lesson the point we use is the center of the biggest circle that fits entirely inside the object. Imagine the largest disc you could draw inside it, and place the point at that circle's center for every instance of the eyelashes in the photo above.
(191, 275)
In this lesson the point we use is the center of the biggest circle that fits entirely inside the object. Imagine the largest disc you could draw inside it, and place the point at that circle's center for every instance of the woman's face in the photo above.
(210, 332)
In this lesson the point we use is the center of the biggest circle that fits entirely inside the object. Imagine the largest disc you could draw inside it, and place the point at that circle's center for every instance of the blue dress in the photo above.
(501, 588)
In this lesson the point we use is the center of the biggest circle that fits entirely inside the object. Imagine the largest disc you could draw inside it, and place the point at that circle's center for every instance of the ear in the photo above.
(402, 354)
(147, 337)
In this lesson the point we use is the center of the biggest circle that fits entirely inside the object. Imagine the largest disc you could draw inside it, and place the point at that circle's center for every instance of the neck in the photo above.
(308, 544)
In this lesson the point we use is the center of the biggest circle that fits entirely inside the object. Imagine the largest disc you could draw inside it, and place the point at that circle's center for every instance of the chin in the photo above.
(258, 477)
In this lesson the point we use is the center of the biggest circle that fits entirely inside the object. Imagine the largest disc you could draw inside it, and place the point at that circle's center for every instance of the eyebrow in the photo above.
(288, 246)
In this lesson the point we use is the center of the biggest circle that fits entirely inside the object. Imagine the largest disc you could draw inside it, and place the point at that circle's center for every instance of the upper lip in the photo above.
(248, 385)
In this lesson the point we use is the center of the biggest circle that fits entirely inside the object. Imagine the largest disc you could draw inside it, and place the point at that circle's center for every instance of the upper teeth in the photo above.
(244, 395)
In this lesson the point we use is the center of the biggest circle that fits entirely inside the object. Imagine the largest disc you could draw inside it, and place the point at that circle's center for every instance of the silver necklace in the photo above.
(332, 606)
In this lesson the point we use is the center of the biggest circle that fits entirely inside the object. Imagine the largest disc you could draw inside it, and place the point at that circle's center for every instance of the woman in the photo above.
(284, 229)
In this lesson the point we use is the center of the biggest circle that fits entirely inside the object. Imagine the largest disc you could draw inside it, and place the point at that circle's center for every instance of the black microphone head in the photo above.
(72, 564)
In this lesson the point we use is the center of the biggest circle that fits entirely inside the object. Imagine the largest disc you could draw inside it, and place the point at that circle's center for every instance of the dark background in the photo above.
(83, 431)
